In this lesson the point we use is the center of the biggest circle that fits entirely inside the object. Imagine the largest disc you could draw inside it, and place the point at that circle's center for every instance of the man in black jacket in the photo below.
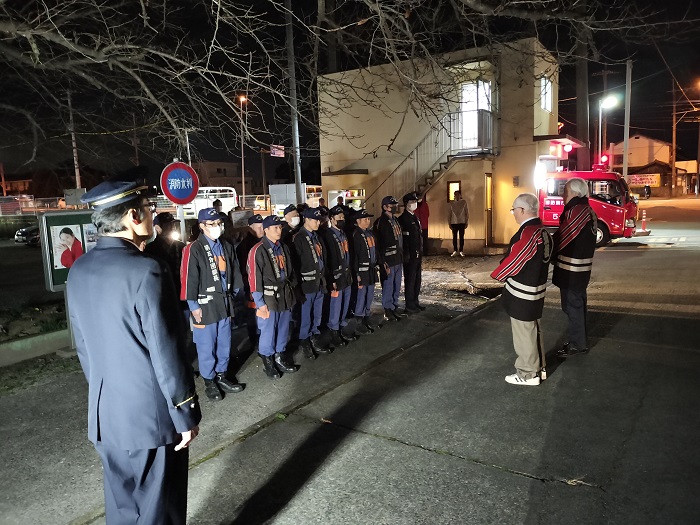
(143, 410)
(412, 253)
(210, 277)
(364, 265)
(574, 246)
(390, 257)
(290, 224)
(338, 274)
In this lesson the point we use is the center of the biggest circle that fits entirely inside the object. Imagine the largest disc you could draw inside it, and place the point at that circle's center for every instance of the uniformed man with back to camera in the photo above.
(366, 270)
(253, 236)
(309, 265)
(290, 223)
(412, 253)
(390, 256)
(271, 279)
(338, 275)
(210, 277)
(143, 410)
(524, 271)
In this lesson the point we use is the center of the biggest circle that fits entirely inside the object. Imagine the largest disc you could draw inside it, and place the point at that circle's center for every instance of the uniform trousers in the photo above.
(425, 241)
(213, 347)
(412, 282)
(391, 287)
(311, 312)
(529, 346)
(144, 487)
(339, 307)
(274, 332)
(574, 305)
(363, 305)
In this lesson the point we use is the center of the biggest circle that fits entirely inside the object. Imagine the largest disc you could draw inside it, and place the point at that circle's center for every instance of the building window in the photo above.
(453, 187)
(546, 94)
(618, 159)
(476, 96)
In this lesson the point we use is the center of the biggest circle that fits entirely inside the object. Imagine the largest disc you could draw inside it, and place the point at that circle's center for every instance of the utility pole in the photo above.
(135, 143)
(293, 99)
(264, 175)
(583, 155)
(628, 101)
(76, 163)
(672, 182)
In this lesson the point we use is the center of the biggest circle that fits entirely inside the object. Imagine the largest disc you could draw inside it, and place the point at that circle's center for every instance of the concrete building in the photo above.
(476, 120)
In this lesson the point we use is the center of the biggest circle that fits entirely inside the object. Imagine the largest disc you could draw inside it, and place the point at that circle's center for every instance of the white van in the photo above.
(207, 195)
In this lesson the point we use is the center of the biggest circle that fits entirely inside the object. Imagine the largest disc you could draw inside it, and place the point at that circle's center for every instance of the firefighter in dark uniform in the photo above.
(366, 270)
(412, 253)
(524, 271)
(290, 224)
(574, 246)
(271, 279)
(210, 278)
(168, 248)
(310, 266)
(253, 237)
(143, 410)
(338, 275)
(390, 257)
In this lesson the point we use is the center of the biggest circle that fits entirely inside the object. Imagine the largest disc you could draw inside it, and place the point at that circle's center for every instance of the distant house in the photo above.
(494, 116)
(649, 164)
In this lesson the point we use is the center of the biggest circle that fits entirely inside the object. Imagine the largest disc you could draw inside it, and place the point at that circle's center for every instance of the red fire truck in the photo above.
(609, 197)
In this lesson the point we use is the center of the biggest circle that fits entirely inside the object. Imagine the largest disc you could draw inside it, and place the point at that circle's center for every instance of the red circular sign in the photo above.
(179, 183)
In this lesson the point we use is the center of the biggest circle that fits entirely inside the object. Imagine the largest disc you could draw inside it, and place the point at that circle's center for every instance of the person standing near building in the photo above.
(574, 247)
(210, 277)
(271, 279)
(390, 256)
(364, 264)
(338, 274)
(310, 265)
(255, 233)
(459, 219)
(412, 253)
(423, 214)
(524, 271)
(143, 410)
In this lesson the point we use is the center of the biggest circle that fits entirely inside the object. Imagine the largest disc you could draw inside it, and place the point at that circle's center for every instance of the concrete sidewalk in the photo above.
(412, 425)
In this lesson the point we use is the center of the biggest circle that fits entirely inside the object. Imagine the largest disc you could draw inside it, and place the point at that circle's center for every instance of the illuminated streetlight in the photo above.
(604, 103)
(242, 99)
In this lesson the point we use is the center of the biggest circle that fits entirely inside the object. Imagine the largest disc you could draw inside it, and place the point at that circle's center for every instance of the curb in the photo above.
(25, 348)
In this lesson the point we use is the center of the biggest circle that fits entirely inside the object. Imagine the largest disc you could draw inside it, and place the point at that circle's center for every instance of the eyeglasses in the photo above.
(512, 210)
(211, 224)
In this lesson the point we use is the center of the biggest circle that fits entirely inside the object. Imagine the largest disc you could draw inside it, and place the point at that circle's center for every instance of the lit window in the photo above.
(546, 94)
(453, 187)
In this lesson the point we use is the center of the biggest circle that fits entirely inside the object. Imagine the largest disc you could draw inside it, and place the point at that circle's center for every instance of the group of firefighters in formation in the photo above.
(290, 273)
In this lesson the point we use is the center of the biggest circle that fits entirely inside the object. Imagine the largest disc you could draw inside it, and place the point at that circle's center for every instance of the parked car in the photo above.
(23, 233)
(34, 239)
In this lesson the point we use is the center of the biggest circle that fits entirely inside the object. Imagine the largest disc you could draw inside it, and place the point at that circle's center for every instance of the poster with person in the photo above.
(67, 245)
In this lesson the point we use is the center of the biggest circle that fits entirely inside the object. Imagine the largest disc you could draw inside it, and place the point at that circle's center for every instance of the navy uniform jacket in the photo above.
(130, 336)
(309, 261)
(363, 264)
(524, 270)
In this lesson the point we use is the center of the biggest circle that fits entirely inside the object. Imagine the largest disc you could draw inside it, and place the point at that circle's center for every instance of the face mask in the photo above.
(412, 206)
(340, 224)
(394, 209)
(294, 222)
(215, 232)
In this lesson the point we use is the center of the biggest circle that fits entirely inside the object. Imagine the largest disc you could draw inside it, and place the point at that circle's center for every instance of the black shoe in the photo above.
(370, 325)
(421, 307)
(269, 367)
(569, 350)
(307, 349)
(318, 348)
(348, 338)
(283, 365)
(397, 316)
(212, 390)
(361, 328)
(390, 315)
(337, 340)
(411, 310)
(230, 387)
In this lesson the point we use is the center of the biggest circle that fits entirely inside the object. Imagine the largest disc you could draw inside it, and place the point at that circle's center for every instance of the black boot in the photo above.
(345, 337)
(318, 347)
(336, 339)
(281, 360)
(212, 390)
(367, 321)
(360, 326)
(389, 315)
(269, 367)
(307, 349)
(227, 385)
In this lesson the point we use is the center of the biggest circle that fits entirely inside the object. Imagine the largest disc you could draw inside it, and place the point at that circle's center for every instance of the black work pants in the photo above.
(425, 241)
(412, 282)
(458, 228)
(574, 304)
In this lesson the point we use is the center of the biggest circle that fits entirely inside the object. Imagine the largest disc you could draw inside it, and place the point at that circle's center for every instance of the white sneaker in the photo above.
(515, 379)
(461, 254)
(453, 254)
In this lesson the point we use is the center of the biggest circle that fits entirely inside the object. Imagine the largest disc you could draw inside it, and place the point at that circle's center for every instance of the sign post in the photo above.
(180, 184)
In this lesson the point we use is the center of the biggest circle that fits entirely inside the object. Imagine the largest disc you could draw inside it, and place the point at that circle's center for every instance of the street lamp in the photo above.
(604, 103)
(242, 99)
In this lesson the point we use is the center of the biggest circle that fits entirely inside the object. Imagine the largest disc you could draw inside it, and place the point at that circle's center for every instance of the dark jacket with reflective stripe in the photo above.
(524, 271)
(389, 240)
(337, 270)
(278, 292)
(308, 268)
(574, 245)
(366, 271)
(412, 236)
